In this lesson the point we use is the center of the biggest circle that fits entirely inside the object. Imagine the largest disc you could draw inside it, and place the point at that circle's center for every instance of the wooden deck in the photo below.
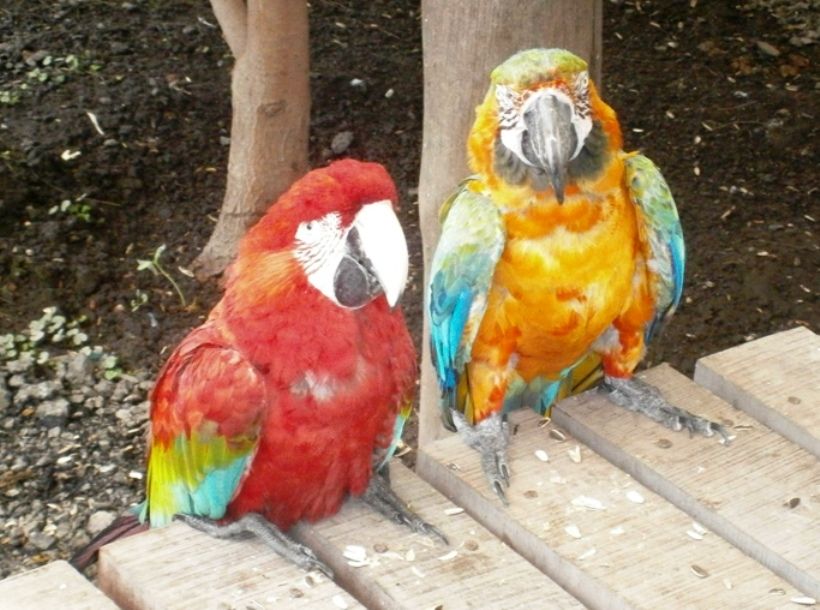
(607, 510)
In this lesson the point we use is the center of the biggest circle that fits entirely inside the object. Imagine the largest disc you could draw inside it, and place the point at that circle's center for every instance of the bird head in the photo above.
(541, 120)
(339, 226)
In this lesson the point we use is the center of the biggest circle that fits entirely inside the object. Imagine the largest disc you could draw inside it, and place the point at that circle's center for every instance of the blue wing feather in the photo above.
(471, 242)
(667, 254)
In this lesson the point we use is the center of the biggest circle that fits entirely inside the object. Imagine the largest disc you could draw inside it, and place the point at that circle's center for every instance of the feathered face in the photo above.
(353, 264)
(544, 116)
(338, 225)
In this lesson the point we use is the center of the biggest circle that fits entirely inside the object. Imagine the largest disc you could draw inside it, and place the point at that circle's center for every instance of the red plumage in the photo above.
(309, 389)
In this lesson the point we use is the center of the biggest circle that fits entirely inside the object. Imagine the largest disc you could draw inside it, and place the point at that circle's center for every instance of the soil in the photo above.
(114, 126)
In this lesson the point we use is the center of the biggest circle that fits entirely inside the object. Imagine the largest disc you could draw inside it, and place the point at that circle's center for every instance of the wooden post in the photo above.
(462, 42)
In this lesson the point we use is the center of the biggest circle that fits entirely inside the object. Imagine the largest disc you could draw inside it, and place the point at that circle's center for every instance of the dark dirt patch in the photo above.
(732, 123)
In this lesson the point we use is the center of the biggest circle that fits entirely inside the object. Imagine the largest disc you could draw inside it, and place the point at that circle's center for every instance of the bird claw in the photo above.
(490, 438)
(381, 497)
(640, 397)
(267, 532)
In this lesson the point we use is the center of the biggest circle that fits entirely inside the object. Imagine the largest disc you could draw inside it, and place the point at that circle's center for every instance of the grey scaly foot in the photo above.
(640, 397)
(490, 438)
(266, 531)
(381, 498)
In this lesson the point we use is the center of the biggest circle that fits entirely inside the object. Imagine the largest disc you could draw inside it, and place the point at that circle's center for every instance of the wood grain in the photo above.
(629, 554)
(775, 379)
(56, 585)
(762, 493)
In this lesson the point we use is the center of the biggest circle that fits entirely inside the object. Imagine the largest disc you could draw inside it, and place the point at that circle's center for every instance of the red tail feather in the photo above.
(123, 526)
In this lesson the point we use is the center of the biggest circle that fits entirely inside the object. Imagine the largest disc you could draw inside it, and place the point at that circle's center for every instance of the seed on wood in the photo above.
(455, 510)
(586, 554)
(634, 496)
(663, 443)
(558, 435)
(728, 584)
(804, 600)
(694, 535)
(309, 582)
(417, 572)
(542, 455)
(697, 527)
(410, 555)
(792, 503)
(575, 454)
(354, 552)
(530, 493)
(698, 571)
(573, 531)
(340, 602)
(617, 531)
(380, 547)
(588, 503)
(296, 593)
(448, 556)
(471, 545)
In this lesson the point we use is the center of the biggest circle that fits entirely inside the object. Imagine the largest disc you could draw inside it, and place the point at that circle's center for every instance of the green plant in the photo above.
(156, 268)
(77, 209)
(140, 299)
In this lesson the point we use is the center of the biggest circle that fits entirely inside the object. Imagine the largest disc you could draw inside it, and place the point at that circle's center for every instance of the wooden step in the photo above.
(56, 585)
(775, 379)
(176, 567)
(643, 550)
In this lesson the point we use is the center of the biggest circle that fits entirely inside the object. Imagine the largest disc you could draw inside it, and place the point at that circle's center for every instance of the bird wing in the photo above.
(661, 231)
(472, 240)
(206, 414)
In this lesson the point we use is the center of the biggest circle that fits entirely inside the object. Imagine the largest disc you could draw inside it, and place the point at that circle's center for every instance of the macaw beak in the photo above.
(552, 139)
(376, 237)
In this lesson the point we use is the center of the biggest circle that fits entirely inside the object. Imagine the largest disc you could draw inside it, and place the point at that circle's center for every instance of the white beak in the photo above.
(382, 241)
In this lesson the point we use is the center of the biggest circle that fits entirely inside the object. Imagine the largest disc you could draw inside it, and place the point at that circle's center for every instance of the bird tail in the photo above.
(125, 525)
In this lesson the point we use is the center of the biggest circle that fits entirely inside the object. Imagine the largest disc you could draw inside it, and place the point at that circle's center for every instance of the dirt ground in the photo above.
(114, 125)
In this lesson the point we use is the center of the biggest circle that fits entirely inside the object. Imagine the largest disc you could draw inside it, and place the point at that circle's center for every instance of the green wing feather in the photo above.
(472, 240)
(650, 193)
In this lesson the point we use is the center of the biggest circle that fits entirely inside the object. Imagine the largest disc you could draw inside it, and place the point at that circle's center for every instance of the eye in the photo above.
(309, 226)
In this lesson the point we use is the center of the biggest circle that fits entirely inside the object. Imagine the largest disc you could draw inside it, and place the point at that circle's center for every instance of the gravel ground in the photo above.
(67, 415)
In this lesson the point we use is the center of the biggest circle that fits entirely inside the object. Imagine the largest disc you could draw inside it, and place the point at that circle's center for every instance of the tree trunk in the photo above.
(462, 42)
(271, 115)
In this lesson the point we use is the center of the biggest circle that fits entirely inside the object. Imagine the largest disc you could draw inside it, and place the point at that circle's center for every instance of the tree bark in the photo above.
(271, 114)
(463, 41)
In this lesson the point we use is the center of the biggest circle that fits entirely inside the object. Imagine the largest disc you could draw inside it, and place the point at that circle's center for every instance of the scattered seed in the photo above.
(135, 474)
(309, 582)
(380, 547)
(617, 531)
(410, 555)
(586, 554)
(792, 503)
(575, 454)
(663, 443)
(530, 493)
(558, 435)
(354, 552)
(696, 170)
(340, 602)
(455, 510)
(417, 572)
(542, 455)
(804, 600)
(296, 593)
(698, 571)
(448, 556)
(573, 531)
(694, 535)
(728, 584)
(471, 545)
(634, 496)
(697, 527)
(588, 503)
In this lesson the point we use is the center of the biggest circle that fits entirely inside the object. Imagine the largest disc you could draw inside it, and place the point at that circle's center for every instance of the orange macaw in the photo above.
(558, 260)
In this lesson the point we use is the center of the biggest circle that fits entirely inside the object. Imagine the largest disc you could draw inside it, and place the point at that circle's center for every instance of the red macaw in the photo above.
(282, 403)
(558, 260)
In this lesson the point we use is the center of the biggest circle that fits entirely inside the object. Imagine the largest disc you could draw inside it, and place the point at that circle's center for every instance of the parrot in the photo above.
(558, 260)
(292, 395)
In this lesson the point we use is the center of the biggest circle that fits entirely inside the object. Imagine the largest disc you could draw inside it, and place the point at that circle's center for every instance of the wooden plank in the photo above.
(761, 493)
(411, 571)
(56, 585)
(775, 379)
(177, 567)
(627, 555)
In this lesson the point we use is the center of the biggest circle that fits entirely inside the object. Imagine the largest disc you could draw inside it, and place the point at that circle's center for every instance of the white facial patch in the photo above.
(320, 246)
